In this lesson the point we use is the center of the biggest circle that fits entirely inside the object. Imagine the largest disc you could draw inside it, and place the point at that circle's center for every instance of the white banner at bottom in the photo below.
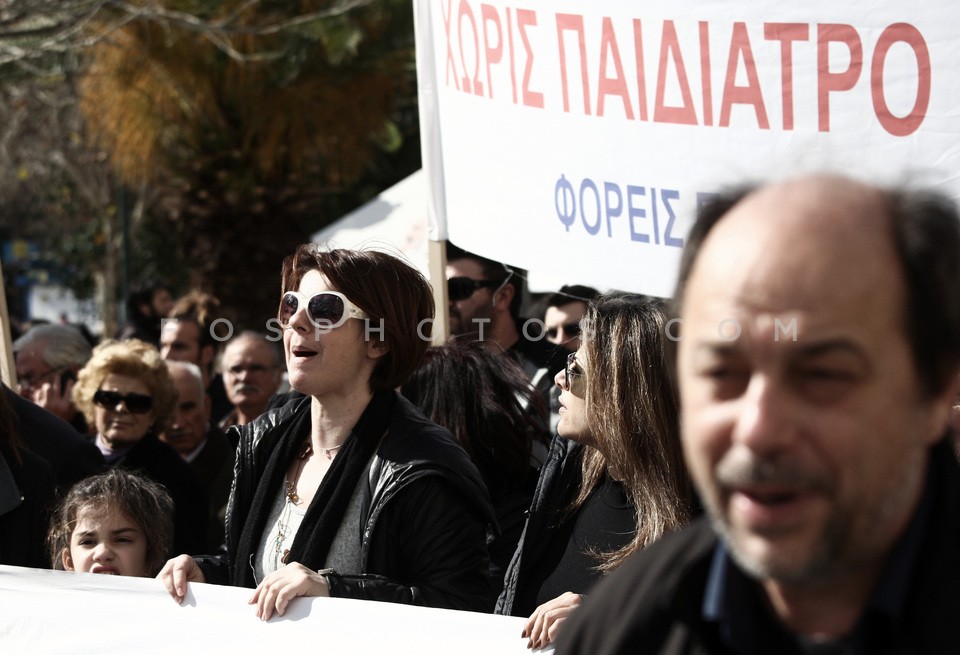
(60, 612)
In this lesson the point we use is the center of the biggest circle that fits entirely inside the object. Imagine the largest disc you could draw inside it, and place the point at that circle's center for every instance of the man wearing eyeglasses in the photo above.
(252, 372)
(48, 358)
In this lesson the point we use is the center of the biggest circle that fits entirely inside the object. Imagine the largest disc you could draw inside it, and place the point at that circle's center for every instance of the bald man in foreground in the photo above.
(819, 342)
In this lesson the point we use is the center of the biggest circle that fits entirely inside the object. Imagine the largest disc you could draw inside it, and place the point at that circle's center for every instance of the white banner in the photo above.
(579, 138)
(78, 613)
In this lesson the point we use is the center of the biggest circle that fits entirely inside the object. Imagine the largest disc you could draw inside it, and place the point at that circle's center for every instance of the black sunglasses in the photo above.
(326, 310)
(572, 330)
(573, 376)
(137, 403)
(461, 288)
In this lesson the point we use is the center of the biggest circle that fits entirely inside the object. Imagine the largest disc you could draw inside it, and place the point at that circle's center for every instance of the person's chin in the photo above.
(123, 439)
(179, 445)
(573, 435)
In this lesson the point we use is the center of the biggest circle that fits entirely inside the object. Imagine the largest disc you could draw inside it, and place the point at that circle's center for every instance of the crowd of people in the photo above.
(763, 463)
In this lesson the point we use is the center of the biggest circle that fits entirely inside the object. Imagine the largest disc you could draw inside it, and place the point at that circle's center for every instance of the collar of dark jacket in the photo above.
(10, 497)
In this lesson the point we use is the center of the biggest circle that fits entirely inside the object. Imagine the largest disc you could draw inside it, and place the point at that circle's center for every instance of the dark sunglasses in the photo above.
(137, 403)
(326, 310)
(461, 288)
(572, 330)
(573, 376)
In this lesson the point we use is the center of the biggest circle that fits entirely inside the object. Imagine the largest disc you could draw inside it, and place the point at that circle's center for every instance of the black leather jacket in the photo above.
(426, 513)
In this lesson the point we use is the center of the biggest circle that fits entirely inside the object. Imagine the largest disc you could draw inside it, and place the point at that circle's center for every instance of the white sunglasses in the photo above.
(326, 310)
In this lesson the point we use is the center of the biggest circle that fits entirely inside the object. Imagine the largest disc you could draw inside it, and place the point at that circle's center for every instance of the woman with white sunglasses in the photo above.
(348, 490)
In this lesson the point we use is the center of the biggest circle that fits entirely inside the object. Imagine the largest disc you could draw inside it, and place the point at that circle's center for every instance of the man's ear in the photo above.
(942, 409)
(504, 297)
(66, 560)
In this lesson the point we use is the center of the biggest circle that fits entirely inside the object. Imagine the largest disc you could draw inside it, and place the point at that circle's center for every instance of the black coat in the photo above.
(26, 493)
(213, 467)
(425, 519)
(72, 456)
(654, 603)
(559, 482)
(161, 463)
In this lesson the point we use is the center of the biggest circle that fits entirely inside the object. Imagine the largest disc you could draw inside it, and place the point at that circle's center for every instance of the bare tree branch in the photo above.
(33, 29)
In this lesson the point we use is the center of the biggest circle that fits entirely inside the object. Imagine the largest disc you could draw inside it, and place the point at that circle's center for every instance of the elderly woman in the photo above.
(349, 491)
(614, 480)
(126, 392)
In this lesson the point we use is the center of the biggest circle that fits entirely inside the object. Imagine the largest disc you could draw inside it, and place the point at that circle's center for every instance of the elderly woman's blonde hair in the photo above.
(132, 358)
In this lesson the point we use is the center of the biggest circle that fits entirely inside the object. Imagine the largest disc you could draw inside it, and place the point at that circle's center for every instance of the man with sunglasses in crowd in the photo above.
(565, 309)
(561, 323)
(484, 298)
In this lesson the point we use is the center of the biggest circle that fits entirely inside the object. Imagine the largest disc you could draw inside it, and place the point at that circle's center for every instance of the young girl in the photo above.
(116, 523)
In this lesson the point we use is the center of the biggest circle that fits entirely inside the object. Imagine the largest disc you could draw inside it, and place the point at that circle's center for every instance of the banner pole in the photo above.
(8, 367)
(437, 255)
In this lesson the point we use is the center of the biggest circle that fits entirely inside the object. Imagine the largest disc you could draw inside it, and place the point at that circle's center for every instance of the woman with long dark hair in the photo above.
(486, 400)
(614, 480)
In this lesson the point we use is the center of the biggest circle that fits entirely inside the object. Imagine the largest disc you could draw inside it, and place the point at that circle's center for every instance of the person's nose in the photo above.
(762, 422)
(103, 552)
(121, 407)
(560, 379)
(300, 322)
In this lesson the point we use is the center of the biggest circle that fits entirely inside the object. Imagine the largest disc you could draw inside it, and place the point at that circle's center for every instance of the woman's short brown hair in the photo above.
(135, 359)
(395, 296)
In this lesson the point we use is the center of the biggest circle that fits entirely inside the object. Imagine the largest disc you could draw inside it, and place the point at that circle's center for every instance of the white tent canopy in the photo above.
(395, 221)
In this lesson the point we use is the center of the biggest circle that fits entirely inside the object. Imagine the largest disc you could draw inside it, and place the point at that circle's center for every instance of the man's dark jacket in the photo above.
(213, 467)
(425, 515)
(654, 603)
